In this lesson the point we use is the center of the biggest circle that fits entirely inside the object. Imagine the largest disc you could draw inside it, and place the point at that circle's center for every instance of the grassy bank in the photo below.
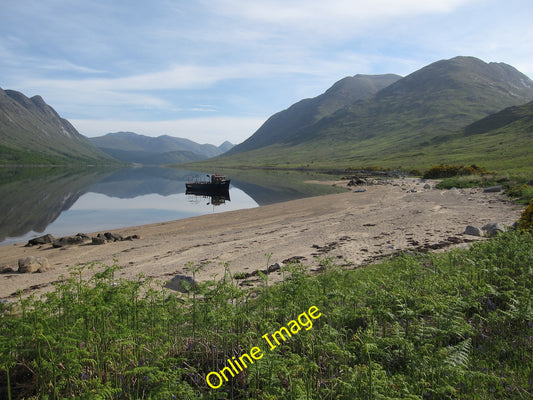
(427, 326)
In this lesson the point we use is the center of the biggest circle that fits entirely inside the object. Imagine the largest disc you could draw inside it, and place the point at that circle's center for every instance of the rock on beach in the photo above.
(33, 264)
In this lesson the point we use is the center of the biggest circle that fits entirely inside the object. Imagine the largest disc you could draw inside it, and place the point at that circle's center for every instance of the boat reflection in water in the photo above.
(214, 199)
(216, 188)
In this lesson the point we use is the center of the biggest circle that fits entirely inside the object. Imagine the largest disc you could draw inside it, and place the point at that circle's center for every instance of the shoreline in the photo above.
(353, 228)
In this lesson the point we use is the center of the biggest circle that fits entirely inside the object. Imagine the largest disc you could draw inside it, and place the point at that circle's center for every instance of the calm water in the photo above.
(64, 202)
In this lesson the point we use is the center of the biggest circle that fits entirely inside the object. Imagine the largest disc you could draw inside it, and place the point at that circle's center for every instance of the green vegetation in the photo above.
(526, 219)
(447, 171)
(429, 326)
(459, 176)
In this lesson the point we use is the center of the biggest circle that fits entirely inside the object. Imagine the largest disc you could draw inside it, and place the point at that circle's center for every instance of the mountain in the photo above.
(305, 113)
(402, 118)
(132, 147)
(31, 132)
(226, 146)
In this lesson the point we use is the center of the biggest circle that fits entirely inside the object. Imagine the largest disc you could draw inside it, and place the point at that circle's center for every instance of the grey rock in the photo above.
(98, 240)
(6, 269)
(113, 237)
(33, 264)
(181, 283)
(40, 240)
(355, 181)
(493, 189)
(71, 240)
(493, 229)
(473, 231)
(132, 237)
(427, 186)
(359, 191)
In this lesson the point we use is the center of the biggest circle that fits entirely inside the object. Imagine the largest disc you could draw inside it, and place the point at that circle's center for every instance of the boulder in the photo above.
(493, 229)
(493, 189)
(70, 240)
(40, 240)
(6, 269)
(99, 240)
(181, 283)
(427, 186)
(33, 264)
(473, 231)
(355, 181)
(132, 237)
(113, 237)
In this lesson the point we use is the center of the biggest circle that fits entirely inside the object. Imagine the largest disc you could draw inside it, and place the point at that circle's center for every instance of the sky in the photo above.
(215, 70)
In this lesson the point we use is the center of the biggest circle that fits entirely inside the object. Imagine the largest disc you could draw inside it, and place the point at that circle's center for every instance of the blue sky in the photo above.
(215, 70)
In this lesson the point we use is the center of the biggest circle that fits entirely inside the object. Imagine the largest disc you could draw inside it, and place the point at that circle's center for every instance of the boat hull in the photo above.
(208, 187)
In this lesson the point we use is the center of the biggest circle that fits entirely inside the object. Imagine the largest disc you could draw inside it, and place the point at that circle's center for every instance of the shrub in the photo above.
(448, 171)
(526, 219)
(521, 193)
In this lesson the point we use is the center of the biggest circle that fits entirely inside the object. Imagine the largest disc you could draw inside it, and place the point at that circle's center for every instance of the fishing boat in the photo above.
(215, 184)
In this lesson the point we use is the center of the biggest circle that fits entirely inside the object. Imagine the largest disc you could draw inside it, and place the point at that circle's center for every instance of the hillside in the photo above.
(31, 132)
(305, 113)
(397, 123)
(134, 148)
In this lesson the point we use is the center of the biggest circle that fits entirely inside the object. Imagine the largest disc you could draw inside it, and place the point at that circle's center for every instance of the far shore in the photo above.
(352, 228)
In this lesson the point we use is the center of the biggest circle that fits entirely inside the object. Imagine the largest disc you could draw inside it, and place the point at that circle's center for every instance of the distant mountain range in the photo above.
(31, 132)
(387, 120)
(134, 148)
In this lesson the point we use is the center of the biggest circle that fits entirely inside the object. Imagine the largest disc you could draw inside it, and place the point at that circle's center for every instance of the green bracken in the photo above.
(457, 325)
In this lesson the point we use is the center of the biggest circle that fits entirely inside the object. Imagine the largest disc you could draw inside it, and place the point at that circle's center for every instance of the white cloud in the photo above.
(213, 130)
(334, 16)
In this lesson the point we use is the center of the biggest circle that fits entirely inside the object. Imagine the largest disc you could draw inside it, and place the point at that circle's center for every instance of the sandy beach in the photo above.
(352, 227)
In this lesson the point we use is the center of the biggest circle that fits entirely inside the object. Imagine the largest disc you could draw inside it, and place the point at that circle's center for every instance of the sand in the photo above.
(352, 228)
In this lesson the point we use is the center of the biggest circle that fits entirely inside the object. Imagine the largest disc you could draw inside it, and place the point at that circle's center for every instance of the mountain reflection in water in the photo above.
(65, 201)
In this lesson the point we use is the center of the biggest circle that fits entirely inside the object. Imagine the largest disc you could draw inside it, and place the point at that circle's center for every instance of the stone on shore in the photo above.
(181, 283)
(473, 231)
(493, 189)
(98, 240)
(70, 240)
(40, 240)
(113, 237)
(493, 229)
(33, 264)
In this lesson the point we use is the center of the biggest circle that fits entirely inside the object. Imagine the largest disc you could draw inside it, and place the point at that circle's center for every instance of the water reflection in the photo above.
(215, 199)
(65, 201)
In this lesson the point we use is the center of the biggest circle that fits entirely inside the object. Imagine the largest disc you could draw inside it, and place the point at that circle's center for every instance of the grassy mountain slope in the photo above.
(403, 124)
(306, 112)
(501, 141)
(31, 132)
(132, 147)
